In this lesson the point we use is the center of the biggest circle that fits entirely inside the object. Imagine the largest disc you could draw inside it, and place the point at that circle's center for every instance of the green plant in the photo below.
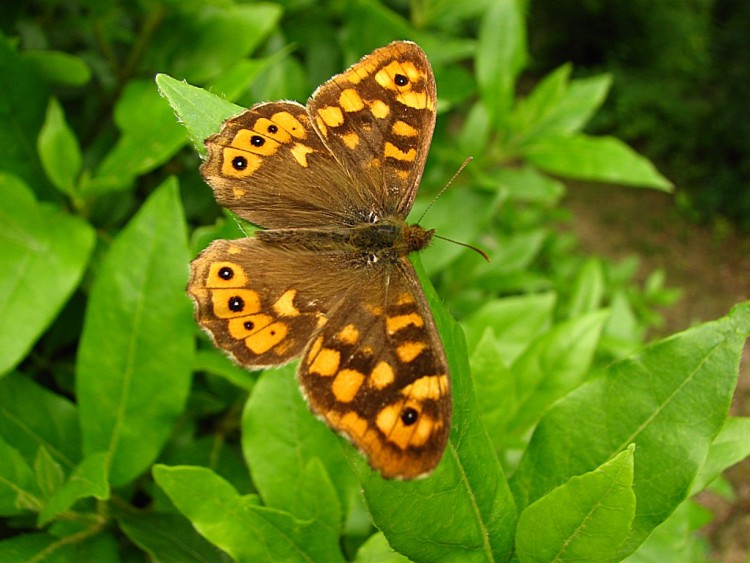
(109, 451)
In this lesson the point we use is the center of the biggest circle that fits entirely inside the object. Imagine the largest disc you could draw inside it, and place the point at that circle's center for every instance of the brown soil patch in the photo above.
(714, 273)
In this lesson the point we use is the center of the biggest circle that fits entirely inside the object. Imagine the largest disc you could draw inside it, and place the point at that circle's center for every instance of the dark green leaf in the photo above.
(18, 490)
(89, 479)
(21, 401)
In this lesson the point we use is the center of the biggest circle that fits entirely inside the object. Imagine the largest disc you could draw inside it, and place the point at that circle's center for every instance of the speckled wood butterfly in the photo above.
(329, 280)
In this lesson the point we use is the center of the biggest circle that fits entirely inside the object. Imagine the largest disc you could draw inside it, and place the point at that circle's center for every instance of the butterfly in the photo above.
(329, 280)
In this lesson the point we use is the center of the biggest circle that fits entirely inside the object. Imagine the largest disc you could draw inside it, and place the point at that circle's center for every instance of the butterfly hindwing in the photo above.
(376, 371)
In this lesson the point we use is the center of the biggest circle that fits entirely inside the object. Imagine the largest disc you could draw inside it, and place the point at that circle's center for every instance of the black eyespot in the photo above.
(257, 141)
(372, 258)
(409, 416)
(226, 273)
(400, 80)
(236, 304)
(372, 217)
(273, 129)
(249, 325)
(239, 163)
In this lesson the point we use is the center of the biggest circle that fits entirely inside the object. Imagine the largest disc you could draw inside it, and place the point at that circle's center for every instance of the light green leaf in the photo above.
(463, 510)
(59, 67)
(136, 351)
(201, 112)
(515, 321)
(670, 401)
(89, 479)
(21, 401)
(59, 150)
(237, 525)
(501, 55)
(553, 365)
(586, 519)
(599, 159)
(377, 550)
(731, 446)
(280, 439)
(43, 254)
(494, 386)
(587, 290)
(678, 538)
(149, 136)
(558, 107)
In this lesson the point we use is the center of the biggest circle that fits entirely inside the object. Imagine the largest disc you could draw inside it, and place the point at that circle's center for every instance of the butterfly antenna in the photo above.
(434, 199)
(476, 249)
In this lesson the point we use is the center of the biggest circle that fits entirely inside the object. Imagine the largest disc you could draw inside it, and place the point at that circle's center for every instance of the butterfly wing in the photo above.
(377, 118)
(248, 298)
(269, 166)
(377, 373)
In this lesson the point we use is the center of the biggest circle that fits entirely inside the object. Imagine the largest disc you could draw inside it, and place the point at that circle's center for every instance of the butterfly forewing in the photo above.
(269, 166)
(377, 118)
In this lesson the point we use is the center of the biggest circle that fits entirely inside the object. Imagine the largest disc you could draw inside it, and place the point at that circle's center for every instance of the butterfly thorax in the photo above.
(389, 236)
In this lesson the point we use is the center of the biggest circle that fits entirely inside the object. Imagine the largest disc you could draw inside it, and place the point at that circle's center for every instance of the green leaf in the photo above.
(377, 550)
(220, 35)
(136, 351)
(237, 525)
(43, 253)
(59, 150)
(169, 538)
(89, 479)
(52, 549)
(553, 365)
(150, 135)
(678, 538)
(587, 291)
(494, 387)
(730, 446)
(201, 112)
(58, 67)
(501, 55)
(670, 401)
(557, 106)
(22, 105)
(515, 321)
(523, 184)
(47, 472)
(586, 519)
(463, 510)
(281, 437)
(18, 490)
(21, 401)
(599, 159)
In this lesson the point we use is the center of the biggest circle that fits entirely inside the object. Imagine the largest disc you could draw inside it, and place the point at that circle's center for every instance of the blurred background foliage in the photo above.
(681, 81)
